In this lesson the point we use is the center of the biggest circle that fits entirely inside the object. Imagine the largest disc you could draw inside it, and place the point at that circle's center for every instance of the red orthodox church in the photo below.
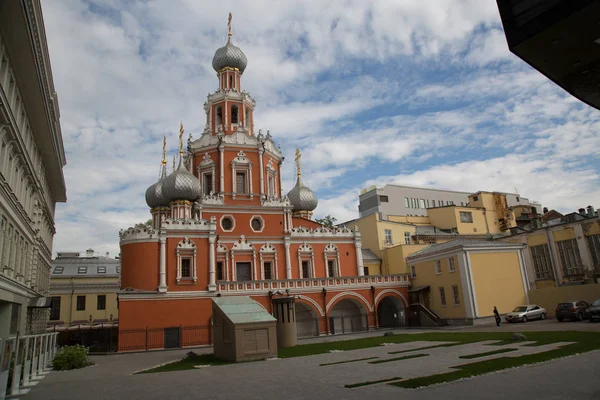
(223, 227)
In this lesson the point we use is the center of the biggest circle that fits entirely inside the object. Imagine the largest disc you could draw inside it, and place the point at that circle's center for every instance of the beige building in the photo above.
(562, 250)
(31, 162)
(84, 290)
(460, 282)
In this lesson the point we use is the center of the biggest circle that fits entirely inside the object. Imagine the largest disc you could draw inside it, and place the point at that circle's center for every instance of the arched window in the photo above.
(247, 118)
(234, 114)
(219, 115)
(230, 82)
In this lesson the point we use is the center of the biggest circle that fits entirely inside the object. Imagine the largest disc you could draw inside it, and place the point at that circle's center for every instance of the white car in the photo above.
(526, 313)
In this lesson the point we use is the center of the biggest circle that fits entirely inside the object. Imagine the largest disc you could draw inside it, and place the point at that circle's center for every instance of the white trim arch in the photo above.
(305, 251)
(313, 302)
(387, 291)
(186, 249)
(342, 294)
(331, 252)
(268, 253)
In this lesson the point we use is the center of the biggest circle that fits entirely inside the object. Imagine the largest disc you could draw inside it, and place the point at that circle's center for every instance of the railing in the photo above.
(26, 359)
(433, 317)
(176, 337)
(312, 283)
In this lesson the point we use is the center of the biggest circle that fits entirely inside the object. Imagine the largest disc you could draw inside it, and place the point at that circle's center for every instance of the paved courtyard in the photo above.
(304, 377)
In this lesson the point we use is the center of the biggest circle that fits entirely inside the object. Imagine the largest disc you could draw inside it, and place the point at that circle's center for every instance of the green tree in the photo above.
(327, 221)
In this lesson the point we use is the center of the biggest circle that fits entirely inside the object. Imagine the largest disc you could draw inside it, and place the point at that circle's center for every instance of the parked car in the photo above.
(526, 313)
(575, 310)
(594, 311)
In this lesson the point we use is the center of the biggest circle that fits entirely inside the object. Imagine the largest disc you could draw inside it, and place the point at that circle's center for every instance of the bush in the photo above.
(71, 357)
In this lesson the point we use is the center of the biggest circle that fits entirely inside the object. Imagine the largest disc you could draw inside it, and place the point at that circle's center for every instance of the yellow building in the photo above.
(461, 281)
(84, 290)
(393, 239)
(562, 251)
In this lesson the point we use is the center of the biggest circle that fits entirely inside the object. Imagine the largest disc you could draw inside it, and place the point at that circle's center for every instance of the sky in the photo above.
(411, 92)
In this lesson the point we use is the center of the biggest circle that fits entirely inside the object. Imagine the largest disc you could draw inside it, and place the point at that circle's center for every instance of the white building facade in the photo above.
(31, 161)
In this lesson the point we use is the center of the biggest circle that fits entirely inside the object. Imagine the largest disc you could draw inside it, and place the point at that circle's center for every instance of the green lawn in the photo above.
(348, 361)
(398, 358)
(585, 341)
(188, 363)
(488, 353)
(355, 385)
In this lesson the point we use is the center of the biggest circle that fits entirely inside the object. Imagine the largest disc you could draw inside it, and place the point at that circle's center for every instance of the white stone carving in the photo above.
(207, 161)
(268, 248)
(242, 244)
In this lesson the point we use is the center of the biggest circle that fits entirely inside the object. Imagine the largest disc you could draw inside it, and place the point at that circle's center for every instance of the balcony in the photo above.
(345, 282)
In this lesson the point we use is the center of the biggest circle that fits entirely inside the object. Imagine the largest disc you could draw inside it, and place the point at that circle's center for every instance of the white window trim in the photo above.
(207, 166)
(438, 267)
(445, 303)
(456, 297)
(262, 223)
(306, 253)
(268, 253)
(241, 164)
(243, 246)
(232, 220)
(451, 265)
(271, 174)
(331, 252)
(223, 255)
(413, 272)
(186, 249)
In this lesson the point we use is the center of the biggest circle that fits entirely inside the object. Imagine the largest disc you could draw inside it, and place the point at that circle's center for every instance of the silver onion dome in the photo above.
(302, 198)
(181, 185)
(154, 194)
(229, 56)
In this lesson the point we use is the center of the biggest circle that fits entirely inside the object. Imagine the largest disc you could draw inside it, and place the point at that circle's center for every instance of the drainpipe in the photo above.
(325, 309)
(72, 294)
(374, 306)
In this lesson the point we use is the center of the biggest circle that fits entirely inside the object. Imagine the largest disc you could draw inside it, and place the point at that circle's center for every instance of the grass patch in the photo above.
(348, 361)
(188, 363)
(399, 358)
(424, 348)
(585, 341)
(355, 385)
(489, 353)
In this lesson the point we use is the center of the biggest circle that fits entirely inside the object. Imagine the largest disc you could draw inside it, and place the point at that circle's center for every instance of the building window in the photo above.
(268, 267)
(220, 276)
(406, 202)
(413, 272)
(438, 267)
(240, 182)
(594, 246)
(305, 269)
(475, 198)
(55, 308)
(366, 271)
(186, 269)
(271, 185)
(451, 266)
(82, 270)
(219, 115)
(406, 237)
(456, 295)
(442, 296)
(421, 203)
(234, 114)
(466, 217)
(101, 270)
(101, 302)
(118, 270)
(569, 257)
(80, 303)
(388, 236)
(207, 183)
(227, 223)
(542, 263)
(331, 267)
(384, 199)
(256, 224)
(243, 271)
(59, 270)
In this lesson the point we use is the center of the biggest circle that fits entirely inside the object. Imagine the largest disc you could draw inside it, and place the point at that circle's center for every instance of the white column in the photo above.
(162, 287)
(212, 286)
(463, 268)
(554, 257)
(288, 261)
(262, 173)
(583, 248)
(359, 258)
(222, 171)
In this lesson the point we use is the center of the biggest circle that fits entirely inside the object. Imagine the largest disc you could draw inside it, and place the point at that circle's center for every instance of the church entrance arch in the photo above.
(347, 315)
(391, 312)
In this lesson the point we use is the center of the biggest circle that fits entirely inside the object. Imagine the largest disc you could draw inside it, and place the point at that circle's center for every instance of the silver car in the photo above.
(526, 313)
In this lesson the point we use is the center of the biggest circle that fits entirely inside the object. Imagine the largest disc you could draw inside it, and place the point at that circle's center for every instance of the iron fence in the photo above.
(164, 338)
(102, 340)
(333, 325)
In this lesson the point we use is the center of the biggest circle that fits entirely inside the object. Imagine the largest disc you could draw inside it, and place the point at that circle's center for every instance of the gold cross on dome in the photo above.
(298, 156)
(164, 154)
(181, 138)
(229, 25)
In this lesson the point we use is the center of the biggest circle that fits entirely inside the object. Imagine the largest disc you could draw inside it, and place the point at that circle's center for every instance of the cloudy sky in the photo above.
(421, 92)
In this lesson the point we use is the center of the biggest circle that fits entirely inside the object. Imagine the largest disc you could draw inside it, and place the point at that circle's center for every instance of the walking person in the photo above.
(497, 315)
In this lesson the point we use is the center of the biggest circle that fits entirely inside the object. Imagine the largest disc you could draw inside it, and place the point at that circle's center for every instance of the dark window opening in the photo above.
(101, 303)
(54, 308)
(256, 224)
(331, 267)
(227, 224)
(240, 180)
(384, 199)
(305, 269)
(80, 303)
(186, 269)
(366, 270)
(219, 115)
(207, 184)
(220, 276)
(234, 114)
(268, 270)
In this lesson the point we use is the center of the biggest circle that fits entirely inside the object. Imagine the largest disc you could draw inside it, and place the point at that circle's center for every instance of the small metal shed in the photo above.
(243, 329)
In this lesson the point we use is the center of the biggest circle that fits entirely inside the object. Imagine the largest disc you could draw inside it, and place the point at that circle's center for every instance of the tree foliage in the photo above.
(327, 221)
